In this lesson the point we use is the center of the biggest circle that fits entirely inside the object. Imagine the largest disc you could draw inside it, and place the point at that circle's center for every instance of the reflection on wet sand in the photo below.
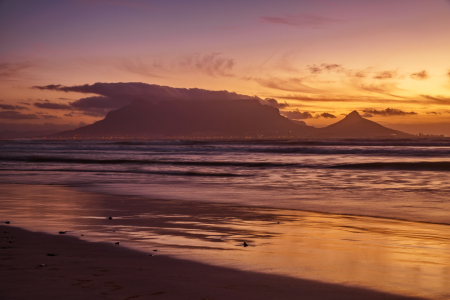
(396, 256)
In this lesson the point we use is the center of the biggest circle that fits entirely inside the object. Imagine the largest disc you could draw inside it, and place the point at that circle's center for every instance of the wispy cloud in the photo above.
(290, 84)
(300, 20)
(210, 64)
(437, 99)
(422, 75)
(385, 75)
(11, 107)
(387, 112)
(318, 69)
(13, 71)
(15, 115)
(386, 88)
(50, 105)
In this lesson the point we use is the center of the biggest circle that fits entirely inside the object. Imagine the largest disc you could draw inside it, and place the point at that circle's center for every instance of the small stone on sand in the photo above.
(62, 232)
(117, 243)
(110, 218)
(82, 235)
(245, 244)
(155, 250)
(7, 222)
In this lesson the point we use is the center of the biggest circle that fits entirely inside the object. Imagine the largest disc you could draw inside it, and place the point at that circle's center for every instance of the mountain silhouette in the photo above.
(355, 126)
(222, 119)
(192, 119)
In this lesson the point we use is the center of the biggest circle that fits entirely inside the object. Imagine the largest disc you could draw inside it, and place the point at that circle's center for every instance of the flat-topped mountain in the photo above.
(190, 119)
(355, 126)
(225, 119)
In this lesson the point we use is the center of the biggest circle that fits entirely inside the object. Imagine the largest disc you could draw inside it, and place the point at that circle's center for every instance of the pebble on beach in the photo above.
(117, 243)
(7, 222)
(62, 232)
(245, 244)
(110, 218)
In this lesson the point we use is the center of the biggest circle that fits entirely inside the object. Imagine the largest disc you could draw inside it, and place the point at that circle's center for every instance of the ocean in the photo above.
(403, 180)
(372, 213)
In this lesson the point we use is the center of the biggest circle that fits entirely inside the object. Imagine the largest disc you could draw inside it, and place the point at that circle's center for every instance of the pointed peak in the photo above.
(353, 115)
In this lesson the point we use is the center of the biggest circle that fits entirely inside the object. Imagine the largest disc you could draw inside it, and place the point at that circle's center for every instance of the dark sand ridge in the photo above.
(85, 270)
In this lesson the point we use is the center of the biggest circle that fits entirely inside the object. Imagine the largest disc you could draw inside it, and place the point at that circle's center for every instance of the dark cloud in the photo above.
(318, 69)
(11, 107)
(15, 115)
(50, 105)
(48, 87)
(433, 113)
(97, 106)
(25, 103)
(367, 115)
(297, 115)
(274, 103)
(422, 75)
(290, 84)
(115, 95)
(388, 112)
(64, 99)
(301, 20)
(327, 115)
(385, 75)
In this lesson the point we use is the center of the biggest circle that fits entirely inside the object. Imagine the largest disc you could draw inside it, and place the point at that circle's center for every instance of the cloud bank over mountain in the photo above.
(109, 96)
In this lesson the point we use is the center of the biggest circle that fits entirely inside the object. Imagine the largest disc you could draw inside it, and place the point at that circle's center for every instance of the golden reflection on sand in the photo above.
(395, 256)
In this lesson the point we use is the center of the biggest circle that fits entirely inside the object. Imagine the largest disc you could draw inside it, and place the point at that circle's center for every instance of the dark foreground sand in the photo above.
(84, 270)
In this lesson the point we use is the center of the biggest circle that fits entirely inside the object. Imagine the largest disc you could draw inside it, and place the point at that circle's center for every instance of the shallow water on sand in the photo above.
(410, 258)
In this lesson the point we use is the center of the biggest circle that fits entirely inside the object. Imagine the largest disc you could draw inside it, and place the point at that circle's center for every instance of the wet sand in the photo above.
(99, 270)
(349, 252)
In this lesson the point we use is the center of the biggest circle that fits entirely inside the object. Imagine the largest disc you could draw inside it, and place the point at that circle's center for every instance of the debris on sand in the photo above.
(117, 243)
(245, 244)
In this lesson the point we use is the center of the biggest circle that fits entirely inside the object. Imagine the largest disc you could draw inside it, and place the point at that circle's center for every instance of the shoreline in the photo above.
(390, 256)
(99, 270)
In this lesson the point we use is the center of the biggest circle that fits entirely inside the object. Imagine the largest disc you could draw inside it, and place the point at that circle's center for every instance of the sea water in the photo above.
(369, 213)
(396, 179)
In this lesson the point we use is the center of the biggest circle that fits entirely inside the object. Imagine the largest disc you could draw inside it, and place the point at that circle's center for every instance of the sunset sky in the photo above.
(321, 59)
